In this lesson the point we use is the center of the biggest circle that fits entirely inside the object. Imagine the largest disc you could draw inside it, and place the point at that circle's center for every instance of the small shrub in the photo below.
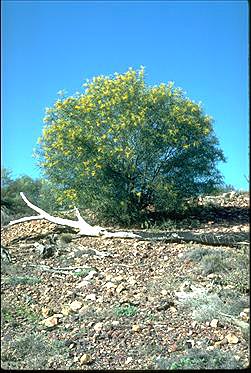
(32, 351)
(12, 315)
(23, 280)
(82, 273)
(196, 255)
(213, 263)
(27, 313)
(205, 307)
(127, 311)
(7, 316)
(198, 359)
(66, 237)
(234, 301)
(238, 275)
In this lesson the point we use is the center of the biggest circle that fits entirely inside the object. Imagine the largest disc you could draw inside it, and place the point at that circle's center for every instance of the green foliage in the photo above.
(66, 237)
(38, 191)
(122, 145)
(23, 280)
(214, 263)
(83, 272)
(238, 274)
(200, 359)
(127, 311)
(14, 314)
(32, 351)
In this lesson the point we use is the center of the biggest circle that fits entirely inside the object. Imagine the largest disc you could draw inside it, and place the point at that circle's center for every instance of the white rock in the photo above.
(91, 297)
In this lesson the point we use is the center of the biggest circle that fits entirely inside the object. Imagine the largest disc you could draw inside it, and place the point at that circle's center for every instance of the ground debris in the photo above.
(123, 304)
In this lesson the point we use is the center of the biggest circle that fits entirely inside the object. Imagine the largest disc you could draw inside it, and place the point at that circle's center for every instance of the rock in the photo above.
(128, 360)
(224, 341)
(117, 279)
(45, 311)
(51, 321)
(120, 288)
(212, 275)
(136, 328)
(214, 323)
(91, 297)
(132, 281)
(75, 305)
(90, 275)
(85, 359)
(66, 310)
(110, 285)
(97, 327)
(232, 339)
(245, 314)
(82, 284)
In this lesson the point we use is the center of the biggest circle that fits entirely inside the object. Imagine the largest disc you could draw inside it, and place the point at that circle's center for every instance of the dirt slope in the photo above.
(90, 303)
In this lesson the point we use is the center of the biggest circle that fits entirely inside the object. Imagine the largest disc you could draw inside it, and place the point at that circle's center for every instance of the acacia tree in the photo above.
(122, 145)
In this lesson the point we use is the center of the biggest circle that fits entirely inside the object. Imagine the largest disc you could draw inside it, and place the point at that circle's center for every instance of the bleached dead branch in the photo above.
(84, 228)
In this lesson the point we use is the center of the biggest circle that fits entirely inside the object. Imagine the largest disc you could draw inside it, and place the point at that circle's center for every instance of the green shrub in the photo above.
(238, 275)
(198, 359)
(127, 311)
(23, 280)
(13, 315)
(214, 263)
(32, 351)
(82, 272)
(66, 237)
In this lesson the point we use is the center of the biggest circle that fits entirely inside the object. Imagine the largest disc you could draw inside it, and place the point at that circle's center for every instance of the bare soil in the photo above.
(126, 304)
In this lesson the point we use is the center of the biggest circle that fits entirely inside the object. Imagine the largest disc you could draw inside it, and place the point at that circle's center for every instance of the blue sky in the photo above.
(48, 46)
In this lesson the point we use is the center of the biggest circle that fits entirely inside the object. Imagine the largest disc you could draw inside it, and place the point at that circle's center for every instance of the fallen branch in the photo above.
(84, 228)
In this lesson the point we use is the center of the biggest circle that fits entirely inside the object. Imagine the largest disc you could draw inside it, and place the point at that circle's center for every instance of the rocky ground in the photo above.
(92, 303)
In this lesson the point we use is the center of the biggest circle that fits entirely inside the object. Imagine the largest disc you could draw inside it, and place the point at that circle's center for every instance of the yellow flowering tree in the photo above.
(123, 145)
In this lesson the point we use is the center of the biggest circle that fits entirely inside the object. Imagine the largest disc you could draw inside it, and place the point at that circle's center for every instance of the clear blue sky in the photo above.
(51, 45)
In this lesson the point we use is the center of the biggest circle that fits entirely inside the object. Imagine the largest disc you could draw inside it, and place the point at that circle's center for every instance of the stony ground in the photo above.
(93, 303)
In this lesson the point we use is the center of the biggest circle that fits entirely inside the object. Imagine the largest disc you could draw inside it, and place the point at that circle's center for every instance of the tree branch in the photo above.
(84, 228)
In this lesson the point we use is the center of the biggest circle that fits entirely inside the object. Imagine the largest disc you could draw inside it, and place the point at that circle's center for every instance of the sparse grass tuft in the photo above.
(14, 315)
(214, 263)
(238, 275)
(197, 254)
(205, 307)
(23, 280)
(198, 359)
(210, 259)
(234, 301)
(32, 351)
